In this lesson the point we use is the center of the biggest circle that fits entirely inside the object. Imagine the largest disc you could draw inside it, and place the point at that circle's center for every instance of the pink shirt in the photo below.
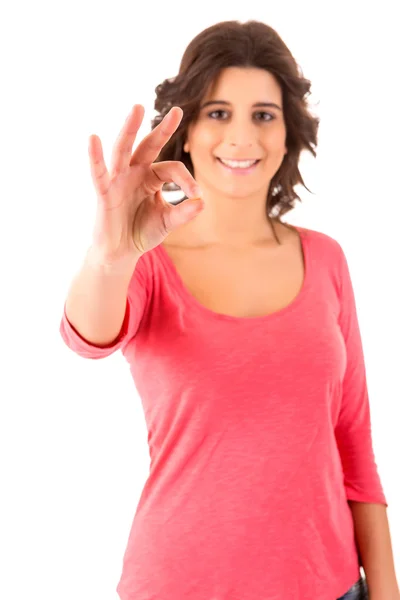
(259, 433)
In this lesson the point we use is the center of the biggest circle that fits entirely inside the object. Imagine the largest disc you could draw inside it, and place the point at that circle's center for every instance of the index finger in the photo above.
(151, 145)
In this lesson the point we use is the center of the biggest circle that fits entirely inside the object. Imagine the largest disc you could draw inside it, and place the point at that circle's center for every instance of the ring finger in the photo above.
(122, 150)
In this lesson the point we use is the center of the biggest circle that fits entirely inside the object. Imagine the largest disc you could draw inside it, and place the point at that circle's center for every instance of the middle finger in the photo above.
(150, 147)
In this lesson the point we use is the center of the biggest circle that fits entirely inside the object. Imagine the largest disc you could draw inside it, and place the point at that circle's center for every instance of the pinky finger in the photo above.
(98, 169)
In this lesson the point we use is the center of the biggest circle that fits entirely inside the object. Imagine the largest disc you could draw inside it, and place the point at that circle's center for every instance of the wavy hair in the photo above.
(235, 44)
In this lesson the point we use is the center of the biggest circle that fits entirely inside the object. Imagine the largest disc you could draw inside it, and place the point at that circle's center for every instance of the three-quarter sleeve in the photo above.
(353, 428)
(139, 293)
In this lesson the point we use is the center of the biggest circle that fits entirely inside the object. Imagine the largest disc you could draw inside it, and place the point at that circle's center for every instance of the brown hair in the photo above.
(235, 44)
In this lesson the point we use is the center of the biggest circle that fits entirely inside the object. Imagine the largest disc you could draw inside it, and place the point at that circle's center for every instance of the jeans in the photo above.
(358, 591)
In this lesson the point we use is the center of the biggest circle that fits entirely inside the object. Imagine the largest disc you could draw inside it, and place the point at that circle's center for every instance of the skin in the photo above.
(234, 214)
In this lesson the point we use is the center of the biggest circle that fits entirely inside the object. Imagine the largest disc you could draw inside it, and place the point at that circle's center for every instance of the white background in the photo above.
(73, 440)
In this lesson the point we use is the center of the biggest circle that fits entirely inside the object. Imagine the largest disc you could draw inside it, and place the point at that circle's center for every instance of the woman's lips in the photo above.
(238, 171)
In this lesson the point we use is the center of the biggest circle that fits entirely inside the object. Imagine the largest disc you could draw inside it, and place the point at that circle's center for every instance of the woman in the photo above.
(241, 334)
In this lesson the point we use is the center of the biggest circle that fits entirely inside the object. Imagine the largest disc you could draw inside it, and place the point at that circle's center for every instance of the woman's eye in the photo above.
(268, 114)
(271, 117)
(214, 112)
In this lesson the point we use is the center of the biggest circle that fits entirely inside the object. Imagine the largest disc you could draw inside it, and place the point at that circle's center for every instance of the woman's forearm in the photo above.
(375, 549)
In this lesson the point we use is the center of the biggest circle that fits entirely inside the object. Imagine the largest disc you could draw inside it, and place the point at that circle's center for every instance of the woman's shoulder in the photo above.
(319, 238)
(322, 247)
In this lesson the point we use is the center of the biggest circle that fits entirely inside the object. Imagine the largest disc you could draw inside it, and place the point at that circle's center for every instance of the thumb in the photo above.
(192, 206)
(186, 210)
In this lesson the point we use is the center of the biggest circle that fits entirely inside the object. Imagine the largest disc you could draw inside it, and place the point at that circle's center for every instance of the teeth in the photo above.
(238, 164)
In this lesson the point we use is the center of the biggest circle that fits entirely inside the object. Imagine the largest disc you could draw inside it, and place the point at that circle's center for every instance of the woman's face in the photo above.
(232, 127)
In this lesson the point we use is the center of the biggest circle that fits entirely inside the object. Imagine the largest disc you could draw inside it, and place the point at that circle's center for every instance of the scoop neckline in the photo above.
(192, 302)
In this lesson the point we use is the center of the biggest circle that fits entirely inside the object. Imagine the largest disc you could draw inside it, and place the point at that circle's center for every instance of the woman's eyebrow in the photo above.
(257, 104)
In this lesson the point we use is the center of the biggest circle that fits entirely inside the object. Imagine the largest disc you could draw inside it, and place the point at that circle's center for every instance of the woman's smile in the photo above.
(238, 170)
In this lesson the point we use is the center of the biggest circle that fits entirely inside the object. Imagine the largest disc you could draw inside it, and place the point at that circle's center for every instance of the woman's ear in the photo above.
(186, 147)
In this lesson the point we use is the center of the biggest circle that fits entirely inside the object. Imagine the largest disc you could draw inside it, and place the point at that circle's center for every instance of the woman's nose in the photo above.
(240, 144)
(241, 135)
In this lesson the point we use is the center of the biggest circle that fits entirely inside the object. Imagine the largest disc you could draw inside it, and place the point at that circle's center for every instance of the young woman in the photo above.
(241, 333)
